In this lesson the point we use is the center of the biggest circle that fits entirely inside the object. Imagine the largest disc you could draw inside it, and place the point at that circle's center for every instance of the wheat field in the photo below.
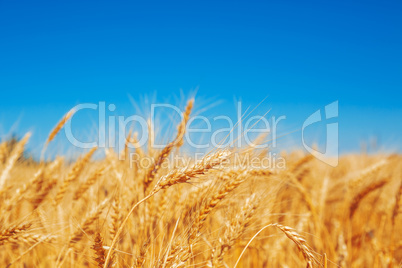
(113, 212)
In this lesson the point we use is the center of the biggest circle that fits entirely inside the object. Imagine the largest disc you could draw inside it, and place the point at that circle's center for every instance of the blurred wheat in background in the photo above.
(108, 212)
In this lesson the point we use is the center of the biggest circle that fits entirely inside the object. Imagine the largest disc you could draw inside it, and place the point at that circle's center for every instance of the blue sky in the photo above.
(300, 56)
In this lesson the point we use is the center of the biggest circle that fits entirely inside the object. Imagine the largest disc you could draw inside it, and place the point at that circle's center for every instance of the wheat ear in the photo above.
(178, 141)
(3, 152)
(87, 225)
(59, 126)
(235, 228)
(292, 235)
(300, 243)
(367, 173)
(181, 129)
(139, 261)
(20, 192)
(39, 198)
(198, 169)
(73, 175)
(354, 204)
(115, 217)
(89, 182)
(99, 250)
(15, 154)
(11, 233)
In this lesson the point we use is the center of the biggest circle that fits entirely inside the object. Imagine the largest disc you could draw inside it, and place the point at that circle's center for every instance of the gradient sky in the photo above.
(300, 56)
